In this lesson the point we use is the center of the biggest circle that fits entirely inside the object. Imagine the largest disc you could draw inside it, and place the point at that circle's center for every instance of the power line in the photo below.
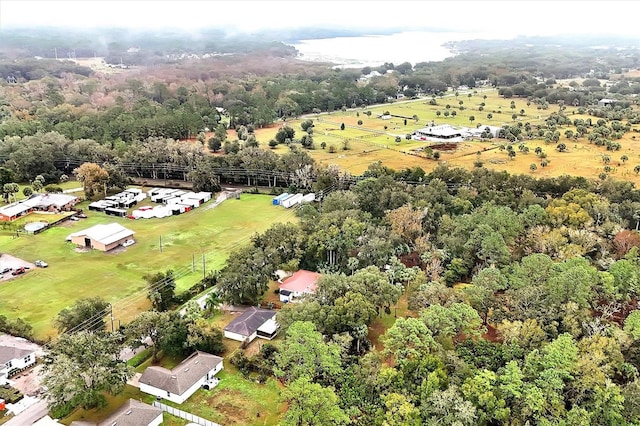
(129, 300)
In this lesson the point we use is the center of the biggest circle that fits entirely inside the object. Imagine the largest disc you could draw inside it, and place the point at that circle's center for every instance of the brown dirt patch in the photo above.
(444, 146)
(233, 414)
(491, 334)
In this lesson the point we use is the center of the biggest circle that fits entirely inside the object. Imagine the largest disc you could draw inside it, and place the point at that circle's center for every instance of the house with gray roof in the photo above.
(254, 322)
(131, 413)
(14, 359)
(178, 384)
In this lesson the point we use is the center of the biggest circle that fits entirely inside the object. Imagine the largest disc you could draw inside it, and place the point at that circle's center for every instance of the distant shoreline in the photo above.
(376, 49)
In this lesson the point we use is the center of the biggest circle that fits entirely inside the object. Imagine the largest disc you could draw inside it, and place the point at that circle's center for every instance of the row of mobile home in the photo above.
(171, 203)
(289, 200)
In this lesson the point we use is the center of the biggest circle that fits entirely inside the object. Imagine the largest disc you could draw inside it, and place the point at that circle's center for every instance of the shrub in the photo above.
(140, 357)
(53, 189)
(332, 149)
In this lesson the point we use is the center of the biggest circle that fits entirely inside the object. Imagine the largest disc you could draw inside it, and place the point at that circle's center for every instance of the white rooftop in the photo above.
(269, 327)
(14, 209)
(46, 200)
(105, 234)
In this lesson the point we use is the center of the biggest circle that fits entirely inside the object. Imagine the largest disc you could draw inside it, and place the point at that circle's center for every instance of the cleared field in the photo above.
(40, 294)
(371, 141)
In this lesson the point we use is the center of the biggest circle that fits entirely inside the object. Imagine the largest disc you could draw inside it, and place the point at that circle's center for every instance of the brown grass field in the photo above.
(365, 146)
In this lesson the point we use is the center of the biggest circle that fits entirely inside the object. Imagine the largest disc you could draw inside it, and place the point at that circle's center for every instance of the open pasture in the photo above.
(371, 142)
(116, 276)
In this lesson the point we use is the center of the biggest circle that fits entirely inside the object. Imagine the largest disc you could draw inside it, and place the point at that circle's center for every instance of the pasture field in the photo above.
(117, 276)
(371, 142)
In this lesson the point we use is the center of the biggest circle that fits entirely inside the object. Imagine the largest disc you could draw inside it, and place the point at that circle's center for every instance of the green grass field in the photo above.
(39, 295)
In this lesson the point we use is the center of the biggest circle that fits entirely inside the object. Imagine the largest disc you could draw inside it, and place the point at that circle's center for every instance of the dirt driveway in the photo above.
(8, 261)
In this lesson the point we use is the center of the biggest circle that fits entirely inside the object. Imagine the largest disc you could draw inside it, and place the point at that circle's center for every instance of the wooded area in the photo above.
(518, 296)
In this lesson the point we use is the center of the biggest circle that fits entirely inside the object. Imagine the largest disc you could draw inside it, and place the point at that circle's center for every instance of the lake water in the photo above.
(374, 50)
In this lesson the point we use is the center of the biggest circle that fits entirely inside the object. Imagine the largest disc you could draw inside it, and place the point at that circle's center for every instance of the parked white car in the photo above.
(41, 263)
(128, 243)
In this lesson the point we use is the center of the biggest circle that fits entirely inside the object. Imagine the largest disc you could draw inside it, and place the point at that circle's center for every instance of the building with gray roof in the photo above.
(252, 323)
(131, 413)
(178, 384)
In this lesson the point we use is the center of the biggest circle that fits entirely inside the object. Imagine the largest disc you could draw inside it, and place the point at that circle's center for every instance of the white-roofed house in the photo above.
(101, 237)
(39, 202)
(14, 359)
(52, 202)
(178, 384)
(14, 211)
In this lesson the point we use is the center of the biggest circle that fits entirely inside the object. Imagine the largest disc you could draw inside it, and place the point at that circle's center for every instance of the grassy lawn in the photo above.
(381, 324)
(237, 401)
(186, 239)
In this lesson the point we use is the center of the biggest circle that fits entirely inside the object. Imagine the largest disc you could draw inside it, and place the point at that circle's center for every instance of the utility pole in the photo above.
(204, 267)
(111, 315)
(160, 243)
(193, 262)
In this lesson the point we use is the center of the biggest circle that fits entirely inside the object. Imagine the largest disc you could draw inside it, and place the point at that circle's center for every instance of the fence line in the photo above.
(184, 415)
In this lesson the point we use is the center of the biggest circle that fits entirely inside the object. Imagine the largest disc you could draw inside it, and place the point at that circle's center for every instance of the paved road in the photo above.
(30, 415)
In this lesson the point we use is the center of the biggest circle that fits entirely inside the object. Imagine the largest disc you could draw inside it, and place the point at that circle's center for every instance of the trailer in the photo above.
(201, 197)
(292, 201)
(279, 198)
(127, 203)
(97, 206)
(176, 209)
(153, 191)
(192, 203)
(308, 198)
(171, 199)
(115, 212)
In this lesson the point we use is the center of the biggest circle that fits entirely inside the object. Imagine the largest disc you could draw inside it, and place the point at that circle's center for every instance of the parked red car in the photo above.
(18, 271)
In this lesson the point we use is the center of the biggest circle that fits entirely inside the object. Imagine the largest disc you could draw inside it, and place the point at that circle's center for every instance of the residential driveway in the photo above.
(28, 382)
(31, 415)
(135, 380)
(127, 353)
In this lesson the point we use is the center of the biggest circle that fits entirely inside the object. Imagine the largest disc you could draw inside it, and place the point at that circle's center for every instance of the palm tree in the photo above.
(213, 301)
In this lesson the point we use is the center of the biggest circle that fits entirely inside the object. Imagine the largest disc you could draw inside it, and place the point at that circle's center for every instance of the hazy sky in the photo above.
(501, 17)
